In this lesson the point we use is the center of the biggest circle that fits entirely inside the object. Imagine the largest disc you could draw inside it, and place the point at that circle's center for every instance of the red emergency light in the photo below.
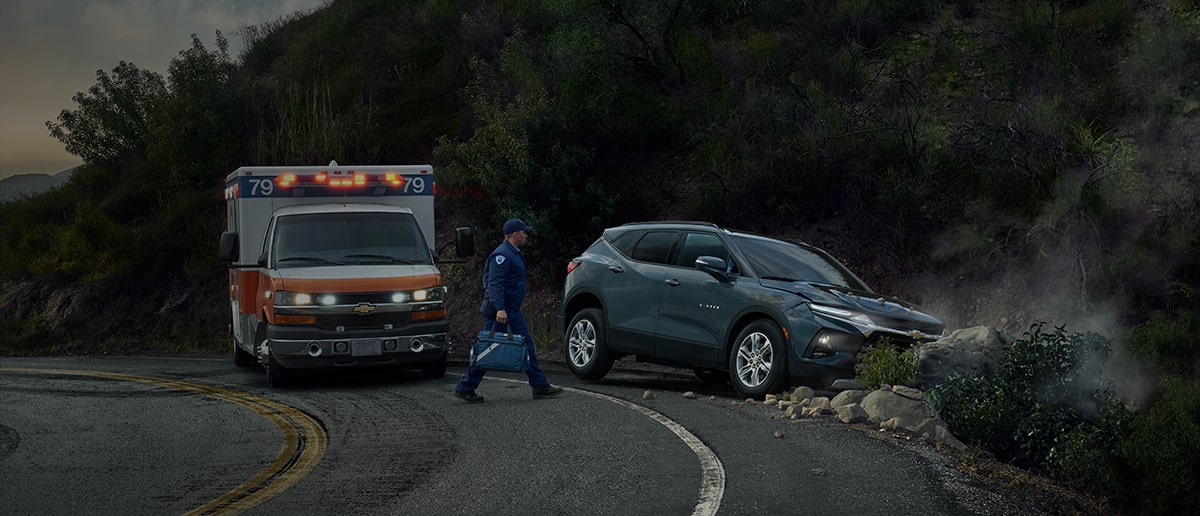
(351, 179)
(286, 180)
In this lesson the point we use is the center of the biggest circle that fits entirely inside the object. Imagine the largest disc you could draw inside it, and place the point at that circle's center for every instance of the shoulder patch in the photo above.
(499, 259)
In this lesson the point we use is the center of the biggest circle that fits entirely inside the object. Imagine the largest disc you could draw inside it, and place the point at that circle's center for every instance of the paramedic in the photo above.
(504, 281)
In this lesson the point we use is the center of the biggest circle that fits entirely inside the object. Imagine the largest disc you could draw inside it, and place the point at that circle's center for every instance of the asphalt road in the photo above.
(199, 435)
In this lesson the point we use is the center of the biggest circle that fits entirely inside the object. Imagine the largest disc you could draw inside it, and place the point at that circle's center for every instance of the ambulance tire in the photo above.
(241, 358)
(277, 375)
(435, 370)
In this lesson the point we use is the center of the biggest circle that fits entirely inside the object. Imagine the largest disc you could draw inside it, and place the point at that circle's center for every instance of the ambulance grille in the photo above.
(363, 322)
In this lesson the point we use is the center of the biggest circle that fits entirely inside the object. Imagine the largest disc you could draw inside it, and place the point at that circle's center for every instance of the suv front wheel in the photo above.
(758, 363)
(587, 352)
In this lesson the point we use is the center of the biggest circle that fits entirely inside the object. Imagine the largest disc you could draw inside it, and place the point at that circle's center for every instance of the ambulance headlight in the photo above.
(284, 298)
(427, 295)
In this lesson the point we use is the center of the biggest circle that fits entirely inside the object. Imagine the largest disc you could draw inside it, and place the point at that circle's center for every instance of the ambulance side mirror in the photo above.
(229, 247)
(464, 242)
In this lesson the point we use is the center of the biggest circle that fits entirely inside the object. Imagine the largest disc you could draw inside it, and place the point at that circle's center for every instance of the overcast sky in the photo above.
(51, 49)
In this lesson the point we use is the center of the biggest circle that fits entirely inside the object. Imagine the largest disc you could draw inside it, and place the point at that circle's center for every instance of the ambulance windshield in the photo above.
(356, 238)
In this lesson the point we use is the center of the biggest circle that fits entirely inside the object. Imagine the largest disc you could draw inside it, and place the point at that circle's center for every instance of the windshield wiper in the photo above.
(308, 259)
(391, 259)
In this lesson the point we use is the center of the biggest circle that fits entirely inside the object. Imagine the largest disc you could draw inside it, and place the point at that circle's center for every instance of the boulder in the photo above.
(852, 397)
(884, 404)
(852, 413)
(969, 352)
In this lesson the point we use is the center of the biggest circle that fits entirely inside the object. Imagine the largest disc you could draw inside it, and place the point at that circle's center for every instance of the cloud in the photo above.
(50, 50)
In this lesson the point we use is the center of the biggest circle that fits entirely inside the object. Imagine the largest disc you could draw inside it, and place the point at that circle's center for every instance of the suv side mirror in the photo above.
(229, 246)
(715, 267)
(464, 242)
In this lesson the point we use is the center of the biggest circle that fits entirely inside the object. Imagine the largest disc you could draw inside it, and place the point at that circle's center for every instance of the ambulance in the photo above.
(336, 267)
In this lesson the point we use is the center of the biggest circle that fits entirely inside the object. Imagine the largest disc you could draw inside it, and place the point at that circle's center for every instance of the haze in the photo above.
(51, 49)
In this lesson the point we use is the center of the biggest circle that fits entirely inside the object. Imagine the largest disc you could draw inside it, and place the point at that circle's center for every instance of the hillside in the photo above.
(22, 185)
(1001, 163)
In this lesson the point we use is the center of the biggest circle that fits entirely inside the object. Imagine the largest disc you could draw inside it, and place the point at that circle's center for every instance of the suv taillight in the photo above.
(571, 265)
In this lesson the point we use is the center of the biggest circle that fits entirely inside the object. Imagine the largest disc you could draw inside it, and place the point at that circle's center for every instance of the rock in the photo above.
(926, 429)
(908, 392)
(969, 352)
(882, 405)
(852, 413)
(802, 393)
(770, 398)
(851, 397)
(818, 472)
(778, 434)
(647, 395)
(689, 395)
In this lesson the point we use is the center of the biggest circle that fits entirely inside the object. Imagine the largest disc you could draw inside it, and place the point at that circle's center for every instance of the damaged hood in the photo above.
(890, 312)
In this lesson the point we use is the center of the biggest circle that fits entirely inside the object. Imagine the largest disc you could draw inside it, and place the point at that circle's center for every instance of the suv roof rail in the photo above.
(693, 222)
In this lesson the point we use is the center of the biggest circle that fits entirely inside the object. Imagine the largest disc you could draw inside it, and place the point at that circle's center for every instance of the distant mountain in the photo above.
(29, 184)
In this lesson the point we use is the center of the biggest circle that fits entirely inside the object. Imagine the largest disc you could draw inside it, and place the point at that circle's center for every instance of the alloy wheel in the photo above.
(581, 343)
(754, 359)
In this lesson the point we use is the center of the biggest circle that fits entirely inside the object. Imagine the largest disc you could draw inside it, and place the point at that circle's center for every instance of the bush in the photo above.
(1162, 449)
(1046, 410)
(1169, 341)
(885, 363)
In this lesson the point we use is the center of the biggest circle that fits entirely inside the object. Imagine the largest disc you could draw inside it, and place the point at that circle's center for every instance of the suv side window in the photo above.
(696, 245)
(655, 247)
(624, 243)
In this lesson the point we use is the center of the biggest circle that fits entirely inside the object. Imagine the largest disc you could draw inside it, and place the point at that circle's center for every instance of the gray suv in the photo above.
(762, 313)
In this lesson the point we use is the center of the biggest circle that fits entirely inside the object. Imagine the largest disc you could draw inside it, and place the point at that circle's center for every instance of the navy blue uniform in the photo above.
(504, 283)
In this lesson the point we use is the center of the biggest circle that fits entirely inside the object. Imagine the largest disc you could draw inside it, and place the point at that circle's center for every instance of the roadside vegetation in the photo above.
(1002, 162)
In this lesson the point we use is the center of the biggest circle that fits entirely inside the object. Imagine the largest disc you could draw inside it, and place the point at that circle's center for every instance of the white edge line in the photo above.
(712, 481)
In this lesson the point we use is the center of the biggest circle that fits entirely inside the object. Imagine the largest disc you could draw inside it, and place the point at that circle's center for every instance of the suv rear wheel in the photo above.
(587, 352)
(758, 361)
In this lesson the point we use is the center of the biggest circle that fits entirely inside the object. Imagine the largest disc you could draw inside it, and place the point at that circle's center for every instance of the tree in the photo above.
(113, 116)
(195, 132)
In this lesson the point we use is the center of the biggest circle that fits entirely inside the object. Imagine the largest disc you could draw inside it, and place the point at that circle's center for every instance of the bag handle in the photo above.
(492, 332)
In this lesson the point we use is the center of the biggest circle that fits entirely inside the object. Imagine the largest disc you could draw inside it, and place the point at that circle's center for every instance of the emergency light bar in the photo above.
(326, 183)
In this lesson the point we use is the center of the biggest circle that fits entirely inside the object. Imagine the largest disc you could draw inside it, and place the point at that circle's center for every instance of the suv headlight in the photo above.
(850, 316)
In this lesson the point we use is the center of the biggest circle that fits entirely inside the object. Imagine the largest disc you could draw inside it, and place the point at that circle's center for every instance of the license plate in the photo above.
(366, 348)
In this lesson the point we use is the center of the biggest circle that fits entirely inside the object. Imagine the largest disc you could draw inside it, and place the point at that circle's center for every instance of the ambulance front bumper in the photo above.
(299, 347)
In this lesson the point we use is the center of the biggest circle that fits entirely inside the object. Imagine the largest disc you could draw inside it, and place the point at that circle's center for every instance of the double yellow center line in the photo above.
(303, 446)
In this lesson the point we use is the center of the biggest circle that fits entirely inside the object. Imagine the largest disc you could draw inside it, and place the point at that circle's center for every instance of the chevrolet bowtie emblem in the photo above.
(364, 308)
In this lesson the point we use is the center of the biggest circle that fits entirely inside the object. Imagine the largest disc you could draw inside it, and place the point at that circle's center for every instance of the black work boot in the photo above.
(546, 391)
(469, 396)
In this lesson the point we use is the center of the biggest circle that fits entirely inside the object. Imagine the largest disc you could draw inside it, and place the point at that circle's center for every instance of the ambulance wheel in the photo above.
(435, 370)
(241, 358)
(277, 375)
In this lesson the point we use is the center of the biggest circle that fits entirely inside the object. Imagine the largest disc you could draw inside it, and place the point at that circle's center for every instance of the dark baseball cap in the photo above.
(515, 225)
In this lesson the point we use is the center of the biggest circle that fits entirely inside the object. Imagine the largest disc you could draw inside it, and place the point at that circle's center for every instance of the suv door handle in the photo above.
(616, 268)
(673, 282)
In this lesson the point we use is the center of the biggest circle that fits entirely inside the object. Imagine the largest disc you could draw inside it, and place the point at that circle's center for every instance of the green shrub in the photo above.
(1046, 410)
(1170, 341)
(1162, 448)
(885, 363)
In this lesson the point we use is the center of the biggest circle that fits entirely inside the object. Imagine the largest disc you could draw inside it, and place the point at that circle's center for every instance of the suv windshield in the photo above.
(349, 239)
(775, 259)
